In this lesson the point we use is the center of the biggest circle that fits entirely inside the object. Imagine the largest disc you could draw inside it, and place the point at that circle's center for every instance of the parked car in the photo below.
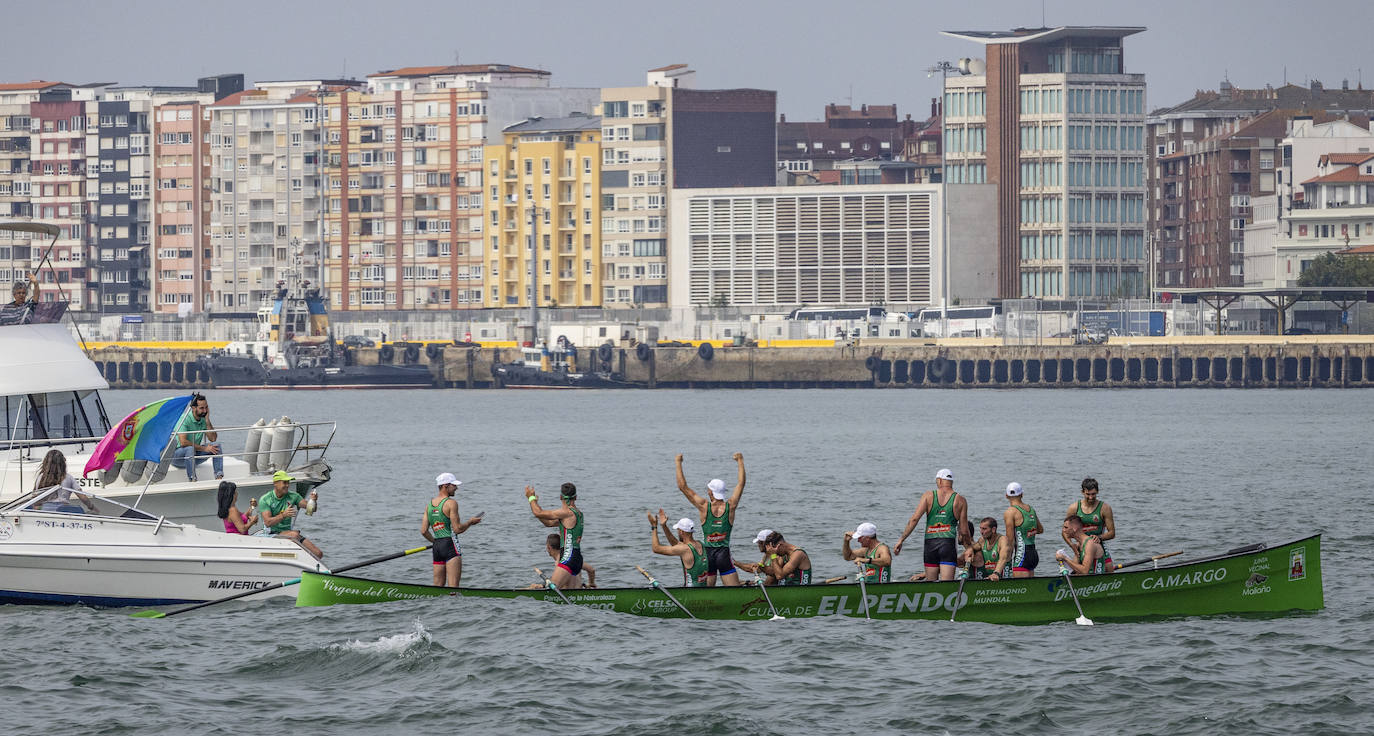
(358, 341)
(1297, 331)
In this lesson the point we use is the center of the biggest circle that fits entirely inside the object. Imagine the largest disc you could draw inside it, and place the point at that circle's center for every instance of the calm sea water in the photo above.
(1183, 469)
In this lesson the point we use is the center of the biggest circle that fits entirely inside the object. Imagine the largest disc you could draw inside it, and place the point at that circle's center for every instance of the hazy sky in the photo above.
(811, 52)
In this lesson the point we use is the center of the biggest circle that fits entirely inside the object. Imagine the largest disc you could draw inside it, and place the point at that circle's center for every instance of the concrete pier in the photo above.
(1232, 362)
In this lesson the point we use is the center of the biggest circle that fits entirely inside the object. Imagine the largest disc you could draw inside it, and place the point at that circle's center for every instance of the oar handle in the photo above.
(828, 581)
(1154, 558)
(383, 558)
(645, 573)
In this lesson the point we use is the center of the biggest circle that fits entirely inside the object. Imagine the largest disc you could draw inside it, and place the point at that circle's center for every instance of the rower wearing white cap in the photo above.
(873, 557)
(688, 550)
(717, 519)
(946, 515)
(764, 561)
(1022, 525)
(441, 526)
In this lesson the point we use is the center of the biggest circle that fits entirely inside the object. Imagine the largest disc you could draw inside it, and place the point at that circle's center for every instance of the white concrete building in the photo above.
(1335, 212)
(773, 249)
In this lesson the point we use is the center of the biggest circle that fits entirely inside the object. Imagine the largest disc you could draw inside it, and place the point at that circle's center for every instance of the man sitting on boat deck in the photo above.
(1088, 557)
(760, 569)
(1022, 526)
(25, 296)
(1097, 518)
(192, 445)
(279, 507)
(568, 519)
(688, 550)
(788, 563)
(717, 518)
(873, 557)
(989, 554)
(946, 515)
(441, 525)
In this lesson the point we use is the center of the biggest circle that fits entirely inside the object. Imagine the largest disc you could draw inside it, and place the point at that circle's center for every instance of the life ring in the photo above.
(412, 354)
(706, 351)
(386, 353)
(643, 352)
(434, 350)
(940, 368)
(871, 362)
(604, 353)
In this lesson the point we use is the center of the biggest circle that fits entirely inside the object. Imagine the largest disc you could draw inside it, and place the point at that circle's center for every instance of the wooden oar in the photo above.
(549, 584)
(1155, 558)
(959, 594)
(274, 586)
(659, 587)
(829, 581)
(1081, 620)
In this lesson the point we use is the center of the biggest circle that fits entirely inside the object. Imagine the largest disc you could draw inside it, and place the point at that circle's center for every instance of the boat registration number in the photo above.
(77, 525)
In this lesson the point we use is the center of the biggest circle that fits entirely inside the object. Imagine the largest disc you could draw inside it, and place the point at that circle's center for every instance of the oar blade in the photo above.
(1083, 621)
(149, 614)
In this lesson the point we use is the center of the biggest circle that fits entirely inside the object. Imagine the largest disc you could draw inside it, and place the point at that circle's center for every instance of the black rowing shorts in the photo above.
(445, 550)
(719, 562)
(940, 551)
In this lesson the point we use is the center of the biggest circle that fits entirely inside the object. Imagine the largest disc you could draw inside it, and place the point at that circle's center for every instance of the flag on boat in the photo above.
(143, 435)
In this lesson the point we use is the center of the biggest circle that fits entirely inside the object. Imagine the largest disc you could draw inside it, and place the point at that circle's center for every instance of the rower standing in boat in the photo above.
(569, 520)
(441, 526)
(1022, 526)
(1089, 557)
(717, 519)
(688, 550)
(989, 553)
(789, 564)
(946, 515)
(279, 507)
(873, 557)
(1096, 516)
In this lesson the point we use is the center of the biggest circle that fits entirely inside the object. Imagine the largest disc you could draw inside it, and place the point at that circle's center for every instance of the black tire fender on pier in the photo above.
(643, 352)
(706, 351)
(386, 353)
(604, 353)
(412, 354)
(434, 350)
(871, 362)
(940, 368)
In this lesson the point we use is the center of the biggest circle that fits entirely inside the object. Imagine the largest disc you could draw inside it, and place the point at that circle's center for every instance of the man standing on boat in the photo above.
(873, 557)
(441, 526)
(568, 519)
(989, 554)
(717, 518)
(1089, 557)
(196, 440)
(1022, 526)
(688, 550)
(788, 563)
(279, 507)
(1096, 516)
(946, 515)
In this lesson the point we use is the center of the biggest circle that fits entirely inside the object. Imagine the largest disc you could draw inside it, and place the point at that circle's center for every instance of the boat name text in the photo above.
(1153, 582)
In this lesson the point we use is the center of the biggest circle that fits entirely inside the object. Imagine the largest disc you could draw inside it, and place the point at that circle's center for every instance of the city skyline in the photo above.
(880, 59)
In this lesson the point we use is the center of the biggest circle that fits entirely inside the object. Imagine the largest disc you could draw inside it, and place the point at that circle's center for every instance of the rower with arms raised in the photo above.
(568, 519)
(717, 519)
(688, 550)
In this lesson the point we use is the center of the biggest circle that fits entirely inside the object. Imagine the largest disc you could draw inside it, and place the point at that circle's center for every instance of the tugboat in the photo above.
(557, 368)
(295, 349)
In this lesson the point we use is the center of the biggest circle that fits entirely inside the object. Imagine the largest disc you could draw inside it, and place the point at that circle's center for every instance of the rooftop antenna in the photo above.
(344, 74)
(851, 95)
(455, 57)
(1042, 14)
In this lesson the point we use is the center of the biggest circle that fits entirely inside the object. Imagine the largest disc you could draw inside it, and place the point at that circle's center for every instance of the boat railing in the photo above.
(35, 500)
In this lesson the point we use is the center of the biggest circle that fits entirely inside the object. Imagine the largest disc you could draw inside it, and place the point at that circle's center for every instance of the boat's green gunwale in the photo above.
(1277, 579)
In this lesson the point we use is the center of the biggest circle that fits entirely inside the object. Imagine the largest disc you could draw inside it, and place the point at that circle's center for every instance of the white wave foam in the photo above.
(396, 644)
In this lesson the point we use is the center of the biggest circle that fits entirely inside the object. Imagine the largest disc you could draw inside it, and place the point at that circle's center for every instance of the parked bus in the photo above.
(838, 314)
(963, 321)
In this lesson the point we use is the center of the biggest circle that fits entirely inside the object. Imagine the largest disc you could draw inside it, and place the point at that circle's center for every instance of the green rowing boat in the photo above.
(1265, 580)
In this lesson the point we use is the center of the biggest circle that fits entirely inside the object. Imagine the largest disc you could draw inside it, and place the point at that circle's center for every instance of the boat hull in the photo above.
(55, 558)
(523, 375)
(1274, 580)
(242, 371)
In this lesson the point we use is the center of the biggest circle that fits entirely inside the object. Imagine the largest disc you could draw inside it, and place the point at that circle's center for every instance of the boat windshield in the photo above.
(63, 500)
(57, 415)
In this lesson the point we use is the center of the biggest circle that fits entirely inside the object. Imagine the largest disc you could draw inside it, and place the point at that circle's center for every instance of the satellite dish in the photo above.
(972, 66)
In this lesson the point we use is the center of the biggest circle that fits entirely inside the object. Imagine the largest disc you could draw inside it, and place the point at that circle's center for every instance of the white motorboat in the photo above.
(61, 556)
(49, 392)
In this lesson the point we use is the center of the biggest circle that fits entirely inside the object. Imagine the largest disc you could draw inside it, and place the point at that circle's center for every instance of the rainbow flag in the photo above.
(143, 435)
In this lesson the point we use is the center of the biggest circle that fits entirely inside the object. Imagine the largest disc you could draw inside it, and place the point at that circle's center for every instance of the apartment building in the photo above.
(1057, 124)
(181, 253)
(664, 135)
(16, 249)
(871, 132)
(58, 196)
(1190, 253)
(266, 179)
(543, 213)
(403, 161)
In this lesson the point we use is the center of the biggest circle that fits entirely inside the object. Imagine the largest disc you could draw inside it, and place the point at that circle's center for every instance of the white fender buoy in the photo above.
(283, 441)
(252, 444)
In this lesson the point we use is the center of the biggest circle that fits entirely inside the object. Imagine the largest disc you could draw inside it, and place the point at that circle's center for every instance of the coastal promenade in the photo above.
(1230, 361)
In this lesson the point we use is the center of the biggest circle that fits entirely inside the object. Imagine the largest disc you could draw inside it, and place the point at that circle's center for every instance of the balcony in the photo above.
(1240, 167)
